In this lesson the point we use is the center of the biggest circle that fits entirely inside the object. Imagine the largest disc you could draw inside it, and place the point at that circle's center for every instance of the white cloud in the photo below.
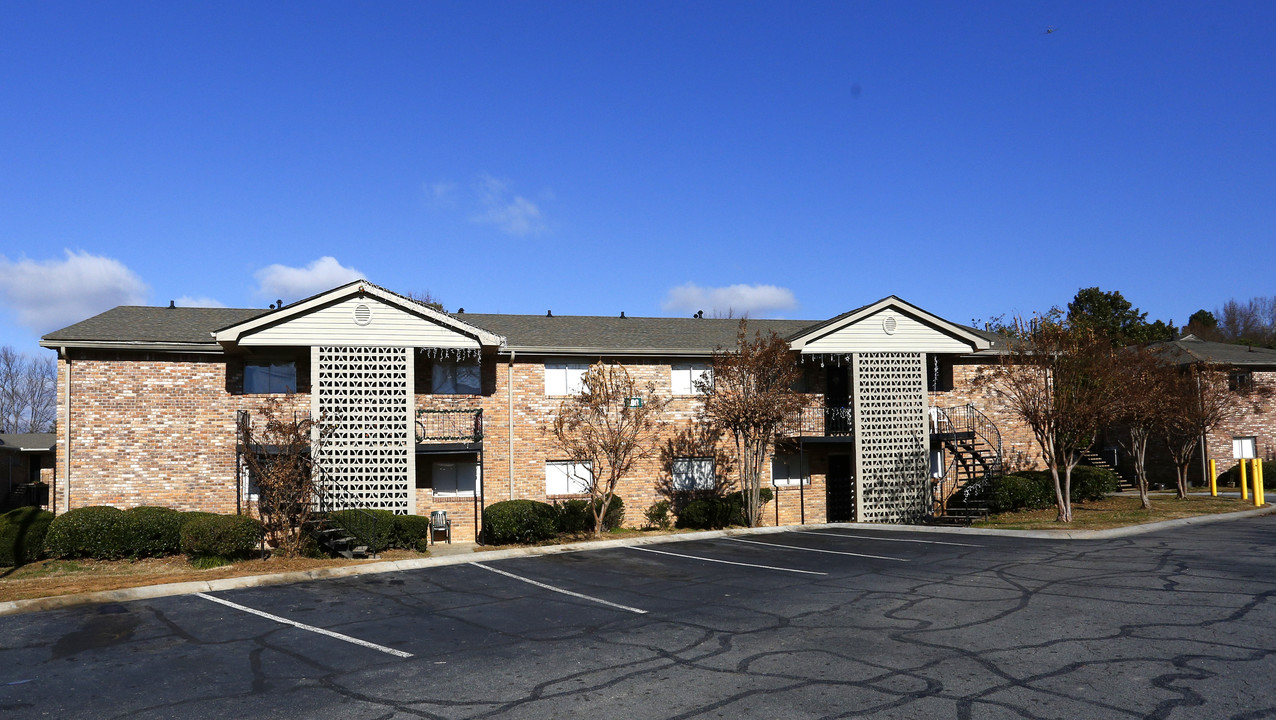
(513, 214)
(441, 193)
(292, 283)
(752, 299)
(198, 301)
(51, 294)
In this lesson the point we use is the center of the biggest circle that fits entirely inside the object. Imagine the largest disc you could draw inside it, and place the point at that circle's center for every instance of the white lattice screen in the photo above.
(365, 395)
(891, 437)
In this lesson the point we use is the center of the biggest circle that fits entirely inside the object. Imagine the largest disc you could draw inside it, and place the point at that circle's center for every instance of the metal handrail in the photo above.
(820, 422)
(449, 425)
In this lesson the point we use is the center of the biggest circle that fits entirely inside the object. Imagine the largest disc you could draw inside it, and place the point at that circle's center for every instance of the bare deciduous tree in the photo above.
(1196, 398)
(602, 426)
(750, 396)
(1055, 377)
(28, 389)
(279, 451)
(1140, 383)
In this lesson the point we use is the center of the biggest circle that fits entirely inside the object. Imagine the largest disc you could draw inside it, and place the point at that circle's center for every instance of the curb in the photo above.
(146, 592)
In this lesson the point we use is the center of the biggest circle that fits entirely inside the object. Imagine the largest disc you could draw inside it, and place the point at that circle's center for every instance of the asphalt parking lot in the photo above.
(832, 622)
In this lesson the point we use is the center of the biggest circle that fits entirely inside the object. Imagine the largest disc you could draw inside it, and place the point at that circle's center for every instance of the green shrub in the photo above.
(94, 532)
(1231, 477)
(615, 516)
(712, 513)
(574, 517)
(519, 521)
(658, 515)
(412, 532)
(229, 537)
(375, 528)
(22, 533)
(152, 531)
(1092, 483)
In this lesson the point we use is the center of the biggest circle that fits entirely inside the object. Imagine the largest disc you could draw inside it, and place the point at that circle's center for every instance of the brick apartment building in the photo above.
(432, 411)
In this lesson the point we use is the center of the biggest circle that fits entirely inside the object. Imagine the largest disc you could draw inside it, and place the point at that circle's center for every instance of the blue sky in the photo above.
(789, 159)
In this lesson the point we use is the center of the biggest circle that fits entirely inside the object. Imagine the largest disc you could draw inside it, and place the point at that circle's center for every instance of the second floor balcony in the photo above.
(450, 425)
(830, 424)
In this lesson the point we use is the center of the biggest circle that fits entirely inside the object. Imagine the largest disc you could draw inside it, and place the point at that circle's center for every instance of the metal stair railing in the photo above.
(975, 445)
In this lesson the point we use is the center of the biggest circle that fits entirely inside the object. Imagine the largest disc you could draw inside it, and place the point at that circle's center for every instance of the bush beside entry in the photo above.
(94, 532)
(221, 536)
(1034, 489)
(718, 512)
(22, 533)
(519, 521)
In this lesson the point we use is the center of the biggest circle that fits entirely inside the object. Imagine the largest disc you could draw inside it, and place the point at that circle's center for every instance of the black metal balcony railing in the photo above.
(821, 422)
(450, 425)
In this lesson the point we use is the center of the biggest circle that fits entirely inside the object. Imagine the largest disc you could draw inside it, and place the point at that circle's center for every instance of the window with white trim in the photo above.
(789, 471)
(693, 474)
(684, 377)
(1244, 448)
(455, 479)
(563, 377)
(455, 377)
(564, 477)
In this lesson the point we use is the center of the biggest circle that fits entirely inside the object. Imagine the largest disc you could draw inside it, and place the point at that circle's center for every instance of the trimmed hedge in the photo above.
(659, 515)
(1034, 489)
(94, 532)
(221, 536)
(577, 516)
(714, 513)
(412, 532)
(152, 531)
(22, 533)
(519, 521)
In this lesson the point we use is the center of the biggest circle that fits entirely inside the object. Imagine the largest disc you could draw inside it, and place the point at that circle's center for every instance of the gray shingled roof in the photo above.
(1191, 349)
(134, 324)
(615, 334)
(17, 441)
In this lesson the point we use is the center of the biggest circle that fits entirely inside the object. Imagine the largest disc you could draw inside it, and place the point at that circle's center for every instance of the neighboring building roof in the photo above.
(1191, 349)
(132, 325)
(629, 335)
(28, 442)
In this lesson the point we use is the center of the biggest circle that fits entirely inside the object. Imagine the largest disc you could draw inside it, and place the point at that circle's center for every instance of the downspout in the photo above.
(509, 379)
(66, 432)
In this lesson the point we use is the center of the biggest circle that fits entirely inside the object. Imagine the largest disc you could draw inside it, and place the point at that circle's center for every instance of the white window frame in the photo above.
(565, 477)
(1244, 448)
(683, 377)
(782, 467)
(564, 377)
(455, 468)
(689, 474)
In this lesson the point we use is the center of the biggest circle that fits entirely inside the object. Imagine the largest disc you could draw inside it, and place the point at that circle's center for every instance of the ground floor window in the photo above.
(453, 479)
(564, 477)
(693, 474)
(1244, 448)
(790, 471)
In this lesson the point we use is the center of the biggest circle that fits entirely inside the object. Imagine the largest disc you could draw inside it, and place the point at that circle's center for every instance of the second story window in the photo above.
(564, 377)
(1241, 381)
(685, 376)
(270, 377)
(455, 377)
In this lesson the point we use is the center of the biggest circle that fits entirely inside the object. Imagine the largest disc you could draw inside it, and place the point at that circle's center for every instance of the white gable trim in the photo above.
(823, 339)
(235, 333)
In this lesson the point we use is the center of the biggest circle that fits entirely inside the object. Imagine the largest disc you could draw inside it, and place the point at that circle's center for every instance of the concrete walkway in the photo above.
(461, 553)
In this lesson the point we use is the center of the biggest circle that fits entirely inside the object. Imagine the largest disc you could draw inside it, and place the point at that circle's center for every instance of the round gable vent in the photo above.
(888, 324)
(362, 314)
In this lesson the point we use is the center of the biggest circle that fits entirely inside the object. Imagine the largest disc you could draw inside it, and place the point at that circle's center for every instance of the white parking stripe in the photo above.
(311, 628)
(726, 562)
(886, 539)
(831, 552)
(529, 581)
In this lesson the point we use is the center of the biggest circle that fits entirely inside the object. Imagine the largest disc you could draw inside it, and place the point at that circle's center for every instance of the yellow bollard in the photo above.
(1244, 482)
(1213, 478)
(1253, 480)
(1258, 481)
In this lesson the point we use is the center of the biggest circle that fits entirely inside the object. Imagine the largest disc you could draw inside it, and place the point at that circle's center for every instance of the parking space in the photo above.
(808, 622)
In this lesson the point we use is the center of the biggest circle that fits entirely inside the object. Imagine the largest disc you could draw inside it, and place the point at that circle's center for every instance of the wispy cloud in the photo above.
(752, 299)
(50, 294)
(512, 213)
(198, 301)
(293, 283)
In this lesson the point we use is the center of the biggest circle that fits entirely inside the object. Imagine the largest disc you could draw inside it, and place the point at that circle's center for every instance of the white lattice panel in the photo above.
(890, 436)
(364, 395)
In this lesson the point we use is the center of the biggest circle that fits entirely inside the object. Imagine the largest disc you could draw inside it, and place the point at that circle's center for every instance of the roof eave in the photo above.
(209, 348)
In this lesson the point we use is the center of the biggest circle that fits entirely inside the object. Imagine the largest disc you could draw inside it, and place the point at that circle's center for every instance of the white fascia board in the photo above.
(233, 333)
(199, 348)
(977, 342)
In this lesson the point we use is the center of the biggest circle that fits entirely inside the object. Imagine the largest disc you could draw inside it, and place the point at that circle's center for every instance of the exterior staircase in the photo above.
(1094, 459)
(972, 447)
